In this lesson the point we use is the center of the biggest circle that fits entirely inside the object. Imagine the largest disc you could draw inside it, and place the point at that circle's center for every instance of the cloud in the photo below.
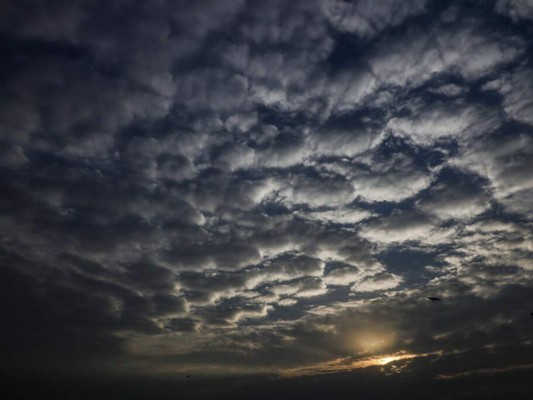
(315, 190)
(449, 89)
(342, 275)
(264, 185)
(444, 119)
(230, 315)
(504, 159)
(462, 47)
(406, 226)
(518, 102)
(289, 265)
(337, 216)
(306, 287)
(464, 199)
(381, 281)
(515, 9)
(389, 178)
(367, 19)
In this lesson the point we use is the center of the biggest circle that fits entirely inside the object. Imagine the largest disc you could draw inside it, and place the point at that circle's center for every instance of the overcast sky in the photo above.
(269, 190)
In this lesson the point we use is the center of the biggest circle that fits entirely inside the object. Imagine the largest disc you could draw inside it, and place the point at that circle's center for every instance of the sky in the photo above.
(255, 199)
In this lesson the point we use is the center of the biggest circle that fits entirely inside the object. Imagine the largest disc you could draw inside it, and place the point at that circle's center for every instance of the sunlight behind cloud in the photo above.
(349, 364)
(372, 341)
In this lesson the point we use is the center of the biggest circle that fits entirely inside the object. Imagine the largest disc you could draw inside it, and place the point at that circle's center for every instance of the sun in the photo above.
(386, 360)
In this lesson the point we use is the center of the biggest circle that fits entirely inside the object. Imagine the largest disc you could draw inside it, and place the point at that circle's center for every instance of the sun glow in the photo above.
(371, 342)
(380, 360)
(348, 364)
(386, 360)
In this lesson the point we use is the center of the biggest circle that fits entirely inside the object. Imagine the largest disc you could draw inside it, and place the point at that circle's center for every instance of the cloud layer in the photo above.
(263, 184)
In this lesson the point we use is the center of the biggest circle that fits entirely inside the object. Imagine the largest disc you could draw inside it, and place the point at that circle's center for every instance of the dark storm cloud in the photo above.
(228, 183)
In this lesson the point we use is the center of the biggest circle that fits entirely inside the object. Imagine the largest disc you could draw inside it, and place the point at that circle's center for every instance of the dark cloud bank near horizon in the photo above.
(261, 195)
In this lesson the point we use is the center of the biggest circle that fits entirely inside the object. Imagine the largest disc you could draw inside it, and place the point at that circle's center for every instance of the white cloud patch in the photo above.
(315, 191)
(393, 179)
(337, 216)
(516, 89)
(505, 160)
(343, 275)
(464, 48)
(308, 287)
(381, 281)
(458, 120)
(368, 18)
(406, 226)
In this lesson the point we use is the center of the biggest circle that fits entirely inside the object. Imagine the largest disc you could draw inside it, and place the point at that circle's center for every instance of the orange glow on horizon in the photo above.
(348, 364)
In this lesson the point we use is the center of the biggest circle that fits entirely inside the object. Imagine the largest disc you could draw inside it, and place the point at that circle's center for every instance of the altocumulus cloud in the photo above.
(265, 186)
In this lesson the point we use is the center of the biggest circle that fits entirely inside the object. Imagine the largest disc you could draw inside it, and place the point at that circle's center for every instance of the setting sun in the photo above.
(386, 360)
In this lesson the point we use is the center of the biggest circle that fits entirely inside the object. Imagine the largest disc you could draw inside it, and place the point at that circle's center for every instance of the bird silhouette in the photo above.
(434, 299)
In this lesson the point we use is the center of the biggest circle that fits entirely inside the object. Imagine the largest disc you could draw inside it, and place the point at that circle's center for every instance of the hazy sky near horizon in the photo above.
(227, 187)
